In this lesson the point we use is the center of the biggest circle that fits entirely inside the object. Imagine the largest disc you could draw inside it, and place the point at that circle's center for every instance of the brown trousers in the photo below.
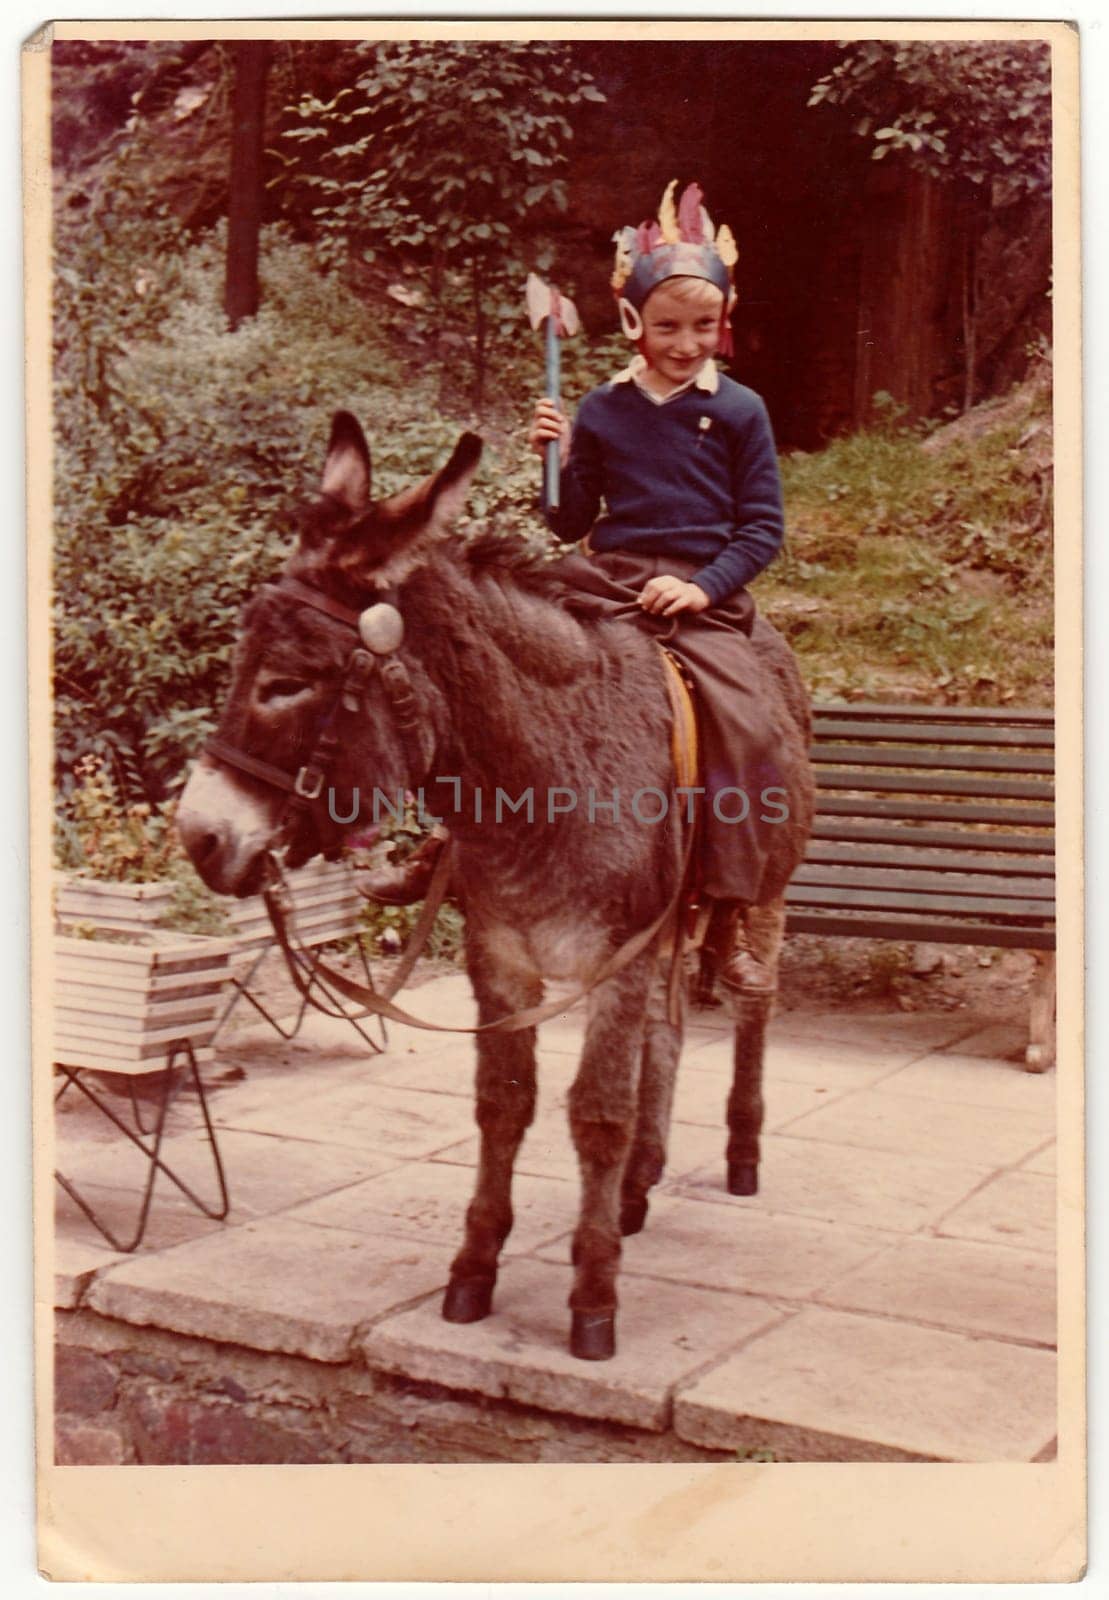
(737, 759)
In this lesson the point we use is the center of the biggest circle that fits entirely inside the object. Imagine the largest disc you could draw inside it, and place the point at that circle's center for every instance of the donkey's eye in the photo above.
(275, 690)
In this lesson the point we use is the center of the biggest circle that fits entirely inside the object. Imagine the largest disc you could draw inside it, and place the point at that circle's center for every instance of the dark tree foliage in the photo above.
(447, 153)
(976, 111)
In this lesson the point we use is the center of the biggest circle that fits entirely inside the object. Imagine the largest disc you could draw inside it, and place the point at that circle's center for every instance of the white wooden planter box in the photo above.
(111, 907)
(326, 906)
(118, 1006)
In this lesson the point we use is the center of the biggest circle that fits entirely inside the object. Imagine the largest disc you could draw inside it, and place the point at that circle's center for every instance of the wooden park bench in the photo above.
(934, 823)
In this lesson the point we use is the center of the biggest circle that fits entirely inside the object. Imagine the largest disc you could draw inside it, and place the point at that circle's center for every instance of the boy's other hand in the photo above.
(548, 423)
(665, 596)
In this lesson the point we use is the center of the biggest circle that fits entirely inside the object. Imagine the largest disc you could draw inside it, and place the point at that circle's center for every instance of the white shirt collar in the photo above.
(707, 378)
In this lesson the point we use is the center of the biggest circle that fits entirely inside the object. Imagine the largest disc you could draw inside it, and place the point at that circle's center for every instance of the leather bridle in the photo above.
(379, 629)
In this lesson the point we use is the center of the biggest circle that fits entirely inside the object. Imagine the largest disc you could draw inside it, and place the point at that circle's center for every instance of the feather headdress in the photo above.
(682, 243)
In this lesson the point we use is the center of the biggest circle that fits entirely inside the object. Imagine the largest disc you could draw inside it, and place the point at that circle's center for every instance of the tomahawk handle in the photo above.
(551, 460)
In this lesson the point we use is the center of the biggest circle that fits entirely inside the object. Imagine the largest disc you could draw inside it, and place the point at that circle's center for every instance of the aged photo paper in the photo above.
(865, 1371)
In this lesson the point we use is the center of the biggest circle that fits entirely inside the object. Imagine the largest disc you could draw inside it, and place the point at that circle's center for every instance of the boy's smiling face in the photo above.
(681, 328)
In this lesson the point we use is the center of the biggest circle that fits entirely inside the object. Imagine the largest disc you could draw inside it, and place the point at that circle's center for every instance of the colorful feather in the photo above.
(624, 240)
(668, 216)
(690, 214)
(726, 247)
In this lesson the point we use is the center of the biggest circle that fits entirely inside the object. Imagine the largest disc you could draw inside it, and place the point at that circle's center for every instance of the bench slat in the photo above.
(926, 883)
(826, 831)
(977, 716)
(828, 924)
(1003, 816)
(927, 783)
(951, 760)
(911, 732)
(900, 854)
(887, 900)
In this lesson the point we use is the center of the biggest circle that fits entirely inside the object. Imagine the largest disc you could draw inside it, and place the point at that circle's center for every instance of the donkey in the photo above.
(485, 690)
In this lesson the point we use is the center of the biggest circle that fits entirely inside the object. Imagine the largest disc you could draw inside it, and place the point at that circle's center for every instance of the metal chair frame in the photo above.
(149, 1141)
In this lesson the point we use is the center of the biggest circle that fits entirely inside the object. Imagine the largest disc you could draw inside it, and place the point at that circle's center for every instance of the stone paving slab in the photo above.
(264, 1174)
(548, 1149)
(701, 1099)
(807, 1177)
(830, 1064)
(664, 1333)
(975, 1081)
(173, 1220)
(272, 1285)
(922, 1030)
(1001, 1040)
(953, 1283)
(1013, 1208)
(395, 1122)
(450, 1071)
(428, 1201)
(879, 1119)
(77, 1260)
(827, 1385)
(740, 1251)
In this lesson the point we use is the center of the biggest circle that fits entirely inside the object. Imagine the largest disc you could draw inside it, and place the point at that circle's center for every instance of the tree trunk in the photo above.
(970, 311)
(248, 106)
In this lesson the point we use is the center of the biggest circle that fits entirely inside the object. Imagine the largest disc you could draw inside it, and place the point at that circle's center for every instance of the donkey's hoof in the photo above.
(593, 1335)
(468, 1299)
(633, 1214)
(743, 1177)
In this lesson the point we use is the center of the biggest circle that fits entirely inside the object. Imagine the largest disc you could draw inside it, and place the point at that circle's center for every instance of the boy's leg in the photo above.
(727, 956)
(405, 884)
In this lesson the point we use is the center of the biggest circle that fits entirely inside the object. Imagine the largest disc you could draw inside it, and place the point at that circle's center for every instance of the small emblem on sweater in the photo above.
(703, 425)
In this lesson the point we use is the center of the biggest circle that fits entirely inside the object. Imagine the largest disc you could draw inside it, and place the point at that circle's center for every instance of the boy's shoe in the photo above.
(404, 885)
(735, 964)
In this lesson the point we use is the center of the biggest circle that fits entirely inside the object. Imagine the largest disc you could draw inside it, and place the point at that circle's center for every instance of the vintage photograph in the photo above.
(552, 893)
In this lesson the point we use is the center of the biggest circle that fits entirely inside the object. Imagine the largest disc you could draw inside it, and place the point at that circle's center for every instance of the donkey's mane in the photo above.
(503, 592)
(507, 556)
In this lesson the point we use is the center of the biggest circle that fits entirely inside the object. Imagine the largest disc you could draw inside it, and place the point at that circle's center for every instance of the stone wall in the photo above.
(128, 1395)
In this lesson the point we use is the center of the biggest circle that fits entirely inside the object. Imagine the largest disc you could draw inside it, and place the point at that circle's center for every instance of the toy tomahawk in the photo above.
(547, 305)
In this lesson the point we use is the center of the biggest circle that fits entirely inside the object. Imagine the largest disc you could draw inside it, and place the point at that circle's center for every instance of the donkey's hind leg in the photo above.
(505, 1106)
(765, 926)
(662, 1045)
(602, 1121)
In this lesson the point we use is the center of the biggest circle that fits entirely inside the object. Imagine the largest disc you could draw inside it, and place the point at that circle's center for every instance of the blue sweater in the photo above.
(695, 477)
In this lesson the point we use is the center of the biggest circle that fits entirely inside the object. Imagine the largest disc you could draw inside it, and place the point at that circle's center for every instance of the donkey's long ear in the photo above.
(451, 485)
(346, 472)
(399, 531)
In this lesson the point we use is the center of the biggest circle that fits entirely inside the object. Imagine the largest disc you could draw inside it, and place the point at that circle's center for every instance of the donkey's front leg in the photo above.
(602, 1121)
(505, 1106)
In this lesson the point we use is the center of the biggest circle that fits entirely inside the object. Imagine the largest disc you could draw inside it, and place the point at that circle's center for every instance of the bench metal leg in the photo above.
(1041, 1023)
(174, 1076)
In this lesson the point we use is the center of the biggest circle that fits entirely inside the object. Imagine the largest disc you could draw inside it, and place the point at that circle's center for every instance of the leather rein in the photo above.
(380, 630)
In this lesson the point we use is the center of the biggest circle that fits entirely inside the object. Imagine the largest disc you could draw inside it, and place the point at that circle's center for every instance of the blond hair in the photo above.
(688, 288)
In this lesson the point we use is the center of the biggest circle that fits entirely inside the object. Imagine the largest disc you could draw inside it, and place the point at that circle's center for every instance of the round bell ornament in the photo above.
(381, 628)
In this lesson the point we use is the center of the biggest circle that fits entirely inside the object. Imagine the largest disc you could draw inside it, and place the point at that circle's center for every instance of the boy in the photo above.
(683, 460)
